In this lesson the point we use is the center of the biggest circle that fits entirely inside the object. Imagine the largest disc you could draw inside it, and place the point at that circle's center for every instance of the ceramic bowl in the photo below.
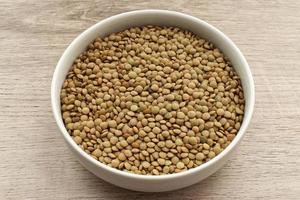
(123, 21)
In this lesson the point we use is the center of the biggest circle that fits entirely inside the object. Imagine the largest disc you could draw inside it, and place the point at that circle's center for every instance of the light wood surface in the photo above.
(34, 160)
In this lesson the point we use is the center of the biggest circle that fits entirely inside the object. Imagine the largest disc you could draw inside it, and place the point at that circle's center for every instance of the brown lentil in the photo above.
(152, 100)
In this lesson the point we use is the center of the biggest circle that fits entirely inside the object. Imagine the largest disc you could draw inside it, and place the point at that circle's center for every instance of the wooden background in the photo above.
(34, 160)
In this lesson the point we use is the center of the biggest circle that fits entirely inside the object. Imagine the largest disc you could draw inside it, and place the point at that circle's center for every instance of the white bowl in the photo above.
(163, 18)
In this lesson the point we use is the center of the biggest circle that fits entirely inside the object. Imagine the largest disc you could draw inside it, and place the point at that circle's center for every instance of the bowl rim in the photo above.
(227, 150)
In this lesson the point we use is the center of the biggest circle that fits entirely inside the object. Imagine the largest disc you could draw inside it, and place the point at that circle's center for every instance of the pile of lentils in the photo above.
(152, 100)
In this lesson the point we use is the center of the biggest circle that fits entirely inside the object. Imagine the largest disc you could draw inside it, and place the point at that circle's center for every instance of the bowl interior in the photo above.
(160, 18)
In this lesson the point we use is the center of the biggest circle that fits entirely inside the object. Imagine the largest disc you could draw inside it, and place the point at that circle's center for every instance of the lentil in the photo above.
(152, 100)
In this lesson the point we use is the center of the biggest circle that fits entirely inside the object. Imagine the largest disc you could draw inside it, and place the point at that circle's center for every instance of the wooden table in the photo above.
(35, 161)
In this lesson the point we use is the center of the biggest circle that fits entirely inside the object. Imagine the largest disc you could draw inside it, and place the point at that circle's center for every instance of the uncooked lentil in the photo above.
(152, 100)
(180, 165)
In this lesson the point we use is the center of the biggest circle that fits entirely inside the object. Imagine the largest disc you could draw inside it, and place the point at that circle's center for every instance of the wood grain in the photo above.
(35, 162)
